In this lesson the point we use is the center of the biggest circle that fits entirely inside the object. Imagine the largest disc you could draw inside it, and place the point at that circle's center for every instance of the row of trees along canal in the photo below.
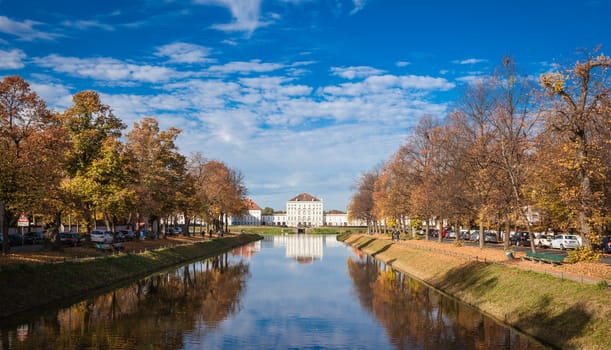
(74, 164)
(509, 145)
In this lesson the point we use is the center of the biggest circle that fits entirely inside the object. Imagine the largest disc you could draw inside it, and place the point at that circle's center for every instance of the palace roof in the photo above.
(304, 197)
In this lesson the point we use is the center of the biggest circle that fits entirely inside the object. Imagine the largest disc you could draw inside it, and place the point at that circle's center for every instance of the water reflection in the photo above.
(154, 313)
(417, 317)
(263, 296)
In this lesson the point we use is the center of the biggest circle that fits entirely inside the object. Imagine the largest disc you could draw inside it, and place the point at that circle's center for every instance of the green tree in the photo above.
(90, 124)
(267, 211)
(106, 182)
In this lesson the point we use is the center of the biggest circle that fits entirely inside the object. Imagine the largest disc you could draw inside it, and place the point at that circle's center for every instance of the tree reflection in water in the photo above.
(418, 317)
(153, 313)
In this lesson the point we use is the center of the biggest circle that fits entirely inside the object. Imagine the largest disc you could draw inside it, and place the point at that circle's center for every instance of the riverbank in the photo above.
(563, 313)
(26, 286)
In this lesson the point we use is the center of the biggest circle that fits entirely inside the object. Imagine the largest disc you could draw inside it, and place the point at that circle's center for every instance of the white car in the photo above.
(543, 241)
(565, 242)
(99, 236)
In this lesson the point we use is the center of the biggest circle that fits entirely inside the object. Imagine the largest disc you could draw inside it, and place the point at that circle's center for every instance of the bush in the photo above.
(583, 253)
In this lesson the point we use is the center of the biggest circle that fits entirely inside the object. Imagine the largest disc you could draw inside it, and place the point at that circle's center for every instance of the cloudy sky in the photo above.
(298, 95)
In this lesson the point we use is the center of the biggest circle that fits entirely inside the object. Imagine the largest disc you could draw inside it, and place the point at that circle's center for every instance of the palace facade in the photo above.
(303, 210)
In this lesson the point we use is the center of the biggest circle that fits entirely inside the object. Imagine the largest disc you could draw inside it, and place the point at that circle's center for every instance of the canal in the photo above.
(284, 292)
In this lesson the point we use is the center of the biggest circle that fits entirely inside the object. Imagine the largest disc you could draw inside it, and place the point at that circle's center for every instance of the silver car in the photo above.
(100, 236)
(565, 242)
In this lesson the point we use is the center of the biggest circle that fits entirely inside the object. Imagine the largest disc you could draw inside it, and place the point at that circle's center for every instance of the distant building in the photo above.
(304, 210)
(336, 218)
(251, 218)
(278, 218)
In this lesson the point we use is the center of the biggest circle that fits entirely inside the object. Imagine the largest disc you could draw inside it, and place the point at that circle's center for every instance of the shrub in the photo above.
(583, 253)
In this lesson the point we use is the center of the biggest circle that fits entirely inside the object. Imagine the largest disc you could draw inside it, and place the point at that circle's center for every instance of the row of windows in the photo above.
(300, 205)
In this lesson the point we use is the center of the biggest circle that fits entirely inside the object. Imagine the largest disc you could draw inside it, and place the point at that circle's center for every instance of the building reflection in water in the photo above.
(300, 247)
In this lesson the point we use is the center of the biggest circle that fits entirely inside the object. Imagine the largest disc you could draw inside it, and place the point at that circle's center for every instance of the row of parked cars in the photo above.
(16, 239)
(69, 238)
(522, 238)
(103, 236)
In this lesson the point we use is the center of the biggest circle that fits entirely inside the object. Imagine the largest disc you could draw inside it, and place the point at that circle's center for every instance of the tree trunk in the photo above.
(481, 235)
(4, 226)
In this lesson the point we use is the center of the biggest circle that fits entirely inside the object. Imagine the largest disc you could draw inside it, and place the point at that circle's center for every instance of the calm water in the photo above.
(285, 292)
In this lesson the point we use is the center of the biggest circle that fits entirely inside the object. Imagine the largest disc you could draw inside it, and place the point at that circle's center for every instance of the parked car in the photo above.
(450, 234)
(33, 237)
(101, 236)
(127, 235)
(543, 241)
(70, 239)
(474, 235)
(520, 239)
(173, 231)
(565, 242)
(604, 246)
(15, 239)
(464, 234)
(491, 237)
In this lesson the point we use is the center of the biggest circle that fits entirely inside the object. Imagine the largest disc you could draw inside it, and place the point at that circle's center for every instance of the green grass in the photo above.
(564, 313)
(30, 286)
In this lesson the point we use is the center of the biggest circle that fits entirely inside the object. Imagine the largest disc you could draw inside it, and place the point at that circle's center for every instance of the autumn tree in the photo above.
(159, 170)
(472, 121)
(393, 189)
(361, 205)
(90, 124)
(30, 149)
(223, 190)
(514, 122)
(422, 155)
(577, 119)
(105, 183)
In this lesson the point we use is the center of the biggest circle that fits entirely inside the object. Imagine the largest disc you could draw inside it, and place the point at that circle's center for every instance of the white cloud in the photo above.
(56, 95)
(402, 63)
(425, 83)
(470, 61)
(24, 30)
(12, 59)
(253, 66)
(87, 24)
(355, 72)
(107, 69)
(358, 5)
(246, 14)
(184, 53)
(386, 83)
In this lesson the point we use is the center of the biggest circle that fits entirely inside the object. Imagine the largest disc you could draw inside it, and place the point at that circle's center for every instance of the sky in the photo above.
(297, 95)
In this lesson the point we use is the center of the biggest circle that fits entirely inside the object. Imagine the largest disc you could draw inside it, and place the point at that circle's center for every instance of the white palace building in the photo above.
(303, 210)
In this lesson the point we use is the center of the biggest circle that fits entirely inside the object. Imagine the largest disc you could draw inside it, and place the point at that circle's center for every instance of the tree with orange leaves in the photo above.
(30, 159)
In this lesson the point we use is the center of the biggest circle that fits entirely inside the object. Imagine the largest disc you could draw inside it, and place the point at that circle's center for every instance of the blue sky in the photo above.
(299, 95)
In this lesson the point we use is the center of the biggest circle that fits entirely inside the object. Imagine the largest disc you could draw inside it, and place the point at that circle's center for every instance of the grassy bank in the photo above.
(25, 286)
(563, 313)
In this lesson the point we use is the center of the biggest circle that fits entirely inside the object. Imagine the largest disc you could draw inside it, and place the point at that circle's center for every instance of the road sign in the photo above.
(23, 220)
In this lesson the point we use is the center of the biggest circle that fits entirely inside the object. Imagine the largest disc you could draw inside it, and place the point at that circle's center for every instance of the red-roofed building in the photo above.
(304, 210)
(251, 218)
